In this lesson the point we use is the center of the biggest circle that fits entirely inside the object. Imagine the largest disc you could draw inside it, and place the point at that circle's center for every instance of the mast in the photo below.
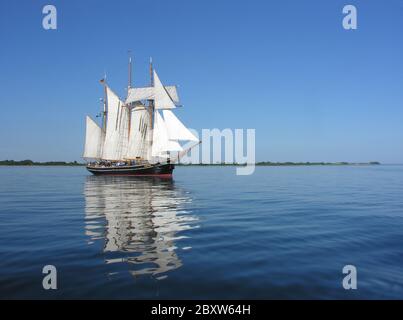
(105, 111)
(151, 103)
(103, 82)
(129, 85)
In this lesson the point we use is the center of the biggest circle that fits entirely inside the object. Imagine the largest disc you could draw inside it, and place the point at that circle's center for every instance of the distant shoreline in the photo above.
(283, 164)
(33, 163)
(264, 163)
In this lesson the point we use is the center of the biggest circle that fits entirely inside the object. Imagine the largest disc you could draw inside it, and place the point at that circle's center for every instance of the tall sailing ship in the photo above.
(139, 136)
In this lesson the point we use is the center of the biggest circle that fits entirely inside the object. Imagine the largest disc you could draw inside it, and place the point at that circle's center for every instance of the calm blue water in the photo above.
(284, 232)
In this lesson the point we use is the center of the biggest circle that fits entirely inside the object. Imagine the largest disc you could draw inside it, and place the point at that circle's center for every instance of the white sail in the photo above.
(160, 140)
(162, 100)
(161, 143)
(173, 93)
(139, 132)
(147, 93)
(173, 145)
(176, 129)
(123, 123)
(93, 140)
(138, 94)
(112, 145)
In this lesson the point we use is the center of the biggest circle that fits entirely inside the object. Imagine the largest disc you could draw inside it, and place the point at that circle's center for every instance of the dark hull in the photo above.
(155, 170)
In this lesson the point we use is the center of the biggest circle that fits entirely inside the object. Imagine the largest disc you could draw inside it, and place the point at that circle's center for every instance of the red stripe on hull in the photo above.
(160, 170)
(163, 175)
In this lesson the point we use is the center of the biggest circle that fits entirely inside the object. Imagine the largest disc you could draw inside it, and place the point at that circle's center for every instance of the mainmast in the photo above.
(103, 82)
(129, 85)
(151, 103)
(104, 113)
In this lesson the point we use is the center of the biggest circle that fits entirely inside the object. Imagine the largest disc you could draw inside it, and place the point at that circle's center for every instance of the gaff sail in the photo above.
(93, 140)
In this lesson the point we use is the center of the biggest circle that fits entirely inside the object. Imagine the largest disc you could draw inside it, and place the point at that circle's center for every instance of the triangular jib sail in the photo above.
(176, 129)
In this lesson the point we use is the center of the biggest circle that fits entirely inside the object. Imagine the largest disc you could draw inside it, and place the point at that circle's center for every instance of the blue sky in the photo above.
(312, 90)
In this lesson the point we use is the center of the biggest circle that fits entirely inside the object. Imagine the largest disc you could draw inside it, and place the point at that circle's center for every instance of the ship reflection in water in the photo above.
(141, 218)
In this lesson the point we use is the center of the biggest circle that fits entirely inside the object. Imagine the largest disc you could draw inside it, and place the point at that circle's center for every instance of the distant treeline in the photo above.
(315, 163)
(276, 164)
(33, 163)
